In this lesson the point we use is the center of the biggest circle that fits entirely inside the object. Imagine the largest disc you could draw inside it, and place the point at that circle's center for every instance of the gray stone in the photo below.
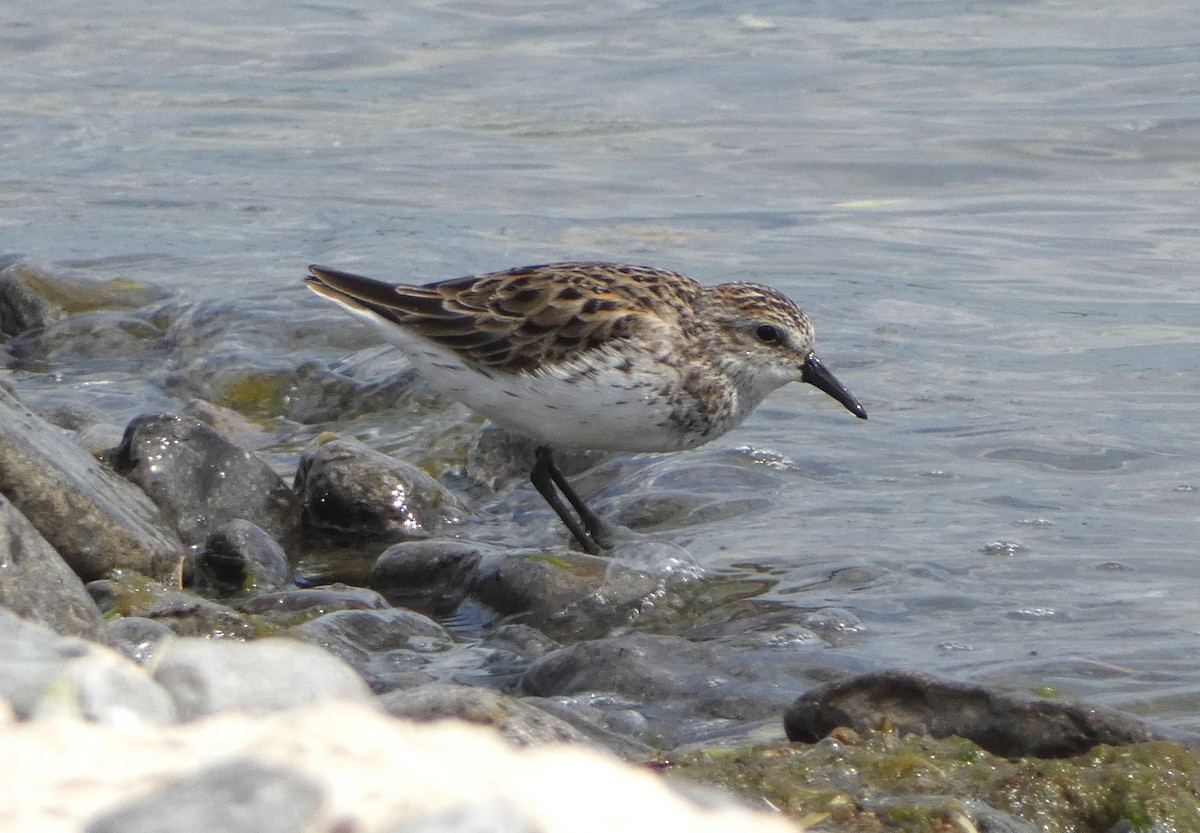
(389, 648)
(43, 674)
(37, 585)
(206, 676)
(517, 722)
(201, 480)
(347, 487)
(473, 816)
(137, 637)
(240, 795)
(240, 556)
(1004, 723)
(97, 521)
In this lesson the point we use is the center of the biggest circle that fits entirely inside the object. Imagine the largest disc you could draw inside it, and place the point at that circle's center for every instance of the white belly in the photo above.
(598, 407)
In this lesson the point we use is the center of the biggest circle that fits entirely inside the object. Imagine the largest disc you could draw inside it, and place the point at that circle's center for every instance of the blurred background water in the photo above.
(988, 209)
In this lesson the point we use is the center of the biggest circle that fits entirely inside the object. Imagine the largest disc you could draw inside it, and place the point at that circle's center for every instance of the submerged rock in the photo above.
(1004, 723)
(202, 480)
(31, 298)
(97, 521)
(389, 648)
(349, 488)
(185, 613)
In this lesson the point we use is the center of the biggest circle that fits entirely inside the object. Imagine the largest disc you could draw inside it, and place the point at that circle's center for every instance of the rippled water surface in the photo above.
(988, 209)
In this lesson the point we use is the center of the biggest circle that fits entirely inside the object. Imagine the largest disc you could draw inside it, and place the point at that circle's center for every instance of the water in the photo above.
(988, 209)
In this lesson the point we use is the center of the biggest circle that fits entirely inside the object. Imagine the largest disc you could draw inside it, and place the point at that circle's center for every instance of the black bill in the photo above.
(817, 375)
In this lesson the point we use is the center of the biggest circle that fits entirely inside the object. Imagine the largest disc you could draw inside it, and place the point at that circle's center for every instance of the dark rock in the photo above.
(426, 575)
(97, 521)
(349, 488)
(137, 637)
(239, 795)
(239, 556)
(44, 674)
(37, 585)
(517, 722)
(389, 648)
(201, 480)
(186, 614)
(205, 676)
(1003, 723)
(315, 601)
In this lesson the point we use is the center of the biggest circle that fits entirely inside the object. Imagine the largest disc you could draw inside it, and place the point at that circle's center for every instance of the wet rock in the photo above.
(575, 596)
(201, 480)
(511, 649)
(496, 457)
(389, 648)
(517, 722)
(97, 521)
(314, 601)
(92, 339)
(37, 585)
(239, 556)
(426, 575)
(349, 488)
(681, 680)
(204, 676)
(1004, 723)
(43, 674)
(186, 614)
(31, 297)
(542, 587)
(235, 796)
(137, 637)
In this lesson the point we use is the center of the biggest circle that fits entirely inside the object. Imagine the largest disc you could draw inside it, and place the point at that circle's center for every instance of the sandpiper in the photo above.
(599, 356)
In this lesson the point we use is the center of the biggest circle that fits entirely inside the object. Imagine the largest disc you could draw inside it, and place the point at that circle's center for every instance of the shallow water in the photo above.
(988, 209)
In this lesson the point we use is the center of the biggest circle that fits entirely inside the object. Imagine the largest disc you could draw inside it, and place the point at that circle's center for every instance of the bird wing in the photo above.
(522, 319)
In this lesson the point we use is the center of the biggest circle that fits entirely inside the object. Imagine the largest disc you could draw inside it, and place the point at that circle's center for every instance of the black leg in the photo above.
(549, 481)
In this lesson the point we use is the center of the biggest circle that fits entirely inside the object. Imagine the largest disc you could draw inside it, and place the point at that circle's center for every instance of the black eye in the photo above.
(767, 333)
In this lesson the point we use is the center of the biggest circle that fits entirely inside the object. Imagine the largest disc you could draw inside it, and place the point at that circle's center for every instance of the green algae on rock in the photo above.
(879, 780)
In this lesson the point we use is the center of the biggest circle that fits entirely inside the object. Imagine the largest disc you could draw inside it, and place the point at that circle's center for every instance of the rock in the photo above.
(239, 556)
(137, 637)
(43, 674)
(544, 588)
(1003, 723)
(201, 480)
(664, 683)
(313, 601)
(37, 585)
(496, 457)
(204, 676)
(389, 648)
(349, 488)
(186, 614)
(427, 575)
(97, 521)
(517, 722)
(374, 773)
(238, 795)
(31, 297)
